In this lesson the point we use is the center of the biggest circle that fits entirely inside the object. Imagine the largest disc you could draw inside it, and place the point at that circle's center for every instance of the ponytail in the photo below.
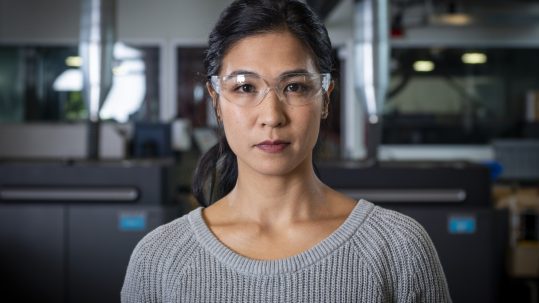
(216, 173)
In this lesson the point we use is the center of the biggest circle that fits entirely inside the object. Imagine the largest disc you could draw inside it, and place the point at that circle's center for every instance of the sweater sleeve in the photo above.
(423, 278)
(138, 286)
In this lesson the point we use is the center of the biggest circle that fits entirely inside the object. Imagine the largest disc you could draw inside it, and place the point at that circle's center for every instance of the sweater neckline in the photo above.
(278, 266)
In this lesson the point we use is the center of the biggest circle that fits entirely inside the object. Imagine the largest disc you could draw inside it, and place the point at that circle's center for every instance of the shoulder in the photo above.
(402, 256)
(388, 227)
(166, 240)
(163, 251)
(390, 237)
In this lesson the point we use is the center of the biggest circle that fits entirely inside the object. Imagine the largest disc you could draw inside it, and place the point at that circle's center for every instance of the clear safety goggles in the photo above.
(249, 89)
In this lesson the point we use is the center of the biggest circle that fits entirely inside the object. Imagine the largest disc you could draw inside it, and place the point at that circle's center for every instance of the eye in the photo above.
(295, 88)
(245, 88)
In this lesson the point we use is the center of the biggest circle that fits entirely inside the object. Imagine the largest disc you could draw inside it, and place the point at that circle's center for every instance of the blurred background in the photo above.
(104, 114)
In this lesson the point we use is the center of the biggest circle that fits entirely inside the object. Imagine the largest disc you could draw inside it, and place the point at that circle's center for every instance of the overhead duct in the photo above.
(371, 70)
(97, 37)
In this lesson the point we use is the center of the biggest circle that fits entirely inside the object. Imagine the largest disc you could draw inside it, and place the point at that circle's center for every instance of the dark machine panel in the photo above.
(149, 183)
(67, 230)
(100, 242)
(412, 183)
(32, 254)
(471, 244)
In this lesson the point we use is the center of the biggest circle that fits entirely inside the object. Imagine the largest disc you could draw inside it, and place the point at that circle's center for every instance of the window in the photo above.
(44, 83)
(458, 95)
(193, 99)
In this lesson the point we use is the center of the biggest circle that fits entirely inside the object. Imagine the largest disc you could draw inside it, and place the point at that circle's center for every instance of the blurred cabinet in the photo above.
(67, 230)
(100, 242)
(71, 253)
(471, 244)
(32, 253)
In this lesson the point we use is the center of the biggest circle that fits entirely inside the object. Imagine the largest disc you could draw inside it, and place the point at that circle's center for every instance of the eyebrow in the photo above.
(241, 72)
(283, 74)
(293, 72)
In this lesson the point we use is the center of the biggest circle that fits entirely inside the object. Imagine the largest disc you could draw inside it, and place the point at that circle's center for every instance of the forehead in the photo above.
(268, 54)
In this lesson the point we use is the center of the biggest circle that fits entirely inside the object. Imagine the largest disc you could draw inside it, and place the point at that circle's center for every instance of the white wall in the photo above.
(186, 20)
(58, 20)
(35, 20)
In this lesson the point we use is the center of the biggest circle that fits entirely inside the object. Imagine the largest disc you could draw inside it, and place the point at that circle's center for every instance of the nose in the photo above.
(271, 110)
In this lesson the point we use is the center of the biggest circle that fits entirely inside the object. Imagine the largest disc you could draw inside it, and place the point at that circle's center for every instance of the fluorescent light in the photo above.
(423, 66)
(74, 61)
(474, 58)
(452, 19)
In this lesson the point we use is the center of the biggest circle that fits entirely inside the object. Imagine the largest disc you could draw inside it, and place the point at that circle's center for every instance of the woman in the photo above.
(270, 230)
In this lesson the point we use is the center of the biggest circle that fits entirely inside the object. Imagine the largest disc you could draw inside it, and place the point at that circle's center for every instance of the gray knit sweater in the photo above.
(376, 255)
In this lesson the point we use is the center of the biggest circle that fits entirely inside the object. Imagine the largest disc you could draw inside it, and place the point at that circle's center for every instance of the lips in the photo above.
(272, 146)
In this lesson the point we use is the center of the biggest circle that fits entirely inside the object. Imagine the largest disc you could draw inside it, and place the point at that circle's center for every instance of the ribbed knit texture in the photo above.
(376, 255)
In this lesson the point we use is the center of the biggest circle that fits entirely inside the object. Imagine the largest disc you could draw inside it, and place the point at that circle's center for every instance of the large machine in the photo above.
(67, 230)
(453, 202)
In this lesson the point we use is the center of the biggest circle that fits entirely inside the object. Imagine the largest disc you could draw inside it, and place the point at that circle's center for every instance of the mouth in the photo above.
(272, 146)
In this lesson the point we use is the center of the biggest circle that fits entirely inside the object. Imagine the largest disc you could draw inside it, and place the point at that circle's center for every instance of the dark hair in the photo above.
(217, 170)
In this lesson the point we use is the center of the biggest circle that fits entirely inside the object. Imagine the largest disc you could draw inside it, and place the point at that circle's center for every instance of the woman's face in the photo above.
(273, 137)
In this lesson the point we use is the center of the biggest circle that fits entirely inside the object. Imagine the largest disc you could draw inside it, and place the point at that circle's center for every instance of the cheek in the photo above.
(308, 124)
(235, 124)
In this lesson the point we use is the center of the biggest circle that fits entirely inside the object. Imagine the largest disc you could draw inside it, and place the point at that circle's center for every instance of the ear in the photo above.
(330, 88)
(325, 105)
(214, 101)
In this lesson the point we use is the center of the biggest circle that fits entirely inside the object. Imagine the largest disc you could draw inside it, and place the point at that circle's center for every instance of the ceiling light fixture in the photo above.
(423, 66)
(74, 61)
(474, 58)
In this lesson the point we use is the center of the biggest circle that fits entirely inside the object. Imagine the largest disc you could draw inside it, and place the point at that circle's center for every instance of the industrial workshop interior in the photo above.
(104, 114)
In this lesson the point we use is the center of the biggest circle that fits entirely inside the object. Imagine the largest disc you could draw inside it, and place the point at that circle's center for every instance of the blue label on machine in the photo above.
(132, 222)
(462, 225)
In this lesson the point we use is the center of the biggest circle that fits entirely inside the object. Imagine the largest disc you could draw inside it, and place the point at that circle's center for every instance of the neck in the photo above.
(272, 200)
